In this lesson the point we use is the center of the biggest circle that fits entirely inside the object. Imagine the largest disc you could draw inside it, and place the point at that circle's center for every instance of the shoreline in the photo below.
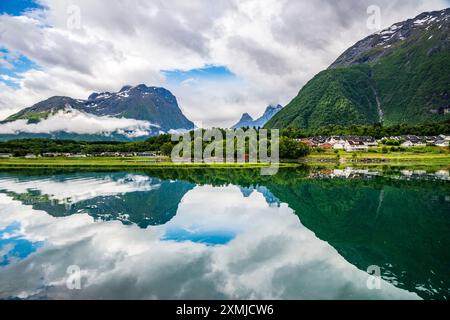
(131, 163)
(345, 160)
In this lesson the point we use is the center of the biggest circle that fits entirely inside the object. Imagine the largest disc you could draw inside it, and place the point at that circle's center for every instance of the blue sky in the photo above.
(234, 57)
(211, 238)
(11, 66)
(16, 7)
(19, 248)
(207, 73)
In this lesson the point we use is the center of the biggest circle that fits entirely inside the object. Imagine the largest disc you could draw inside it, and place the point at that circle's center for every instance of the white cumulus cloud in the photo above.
(273, 47)
(74, 121)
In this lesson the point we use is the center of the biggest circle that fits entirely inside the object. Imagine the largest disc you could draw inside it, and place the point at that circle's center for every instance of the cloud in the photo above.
(8, 78)
(74, 121)
(70, 190)
(273, 47)
(273, 256)
(265, 60)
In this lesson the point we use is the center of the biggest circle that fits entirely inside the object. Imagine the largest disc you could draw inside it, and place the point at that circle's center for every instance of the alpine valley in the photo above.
(132, 113)
(399, 75)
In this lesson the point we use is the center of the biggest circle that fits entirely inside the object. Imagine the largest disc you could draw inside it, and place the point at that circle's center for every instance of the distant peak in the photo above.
(274, 107)
(93, 96)
(142, 86)
(246, 116)
(125, 88)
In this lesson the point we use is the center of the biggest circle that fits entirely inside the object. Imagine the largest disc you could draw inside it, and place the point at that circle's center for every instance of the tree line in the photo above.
(377, 131)
(289, 147)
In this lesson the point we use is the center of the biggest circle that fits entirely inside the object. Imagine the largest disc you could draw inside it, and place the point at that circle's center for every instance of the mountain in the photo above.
(398, 75)
(146, 201)
(130, 113)
(247, 121)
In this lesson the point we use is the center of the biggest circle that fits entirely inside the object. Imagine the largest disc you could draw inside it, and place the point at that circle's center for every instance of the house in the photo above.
(407, 144)
(146, 154)
(418, 141)
(339, 146)
(314, 142)
(430, 139)
(110, 154)
(442, 143)
(318, 140)
(326, 145)
(369, 141)
(442, 175)
(6, 155)
(30, 156)
(351, 172)
(128, 154)
(353, 146)
(76, 156)
(337, 142)
(412, 141)
(51, 154)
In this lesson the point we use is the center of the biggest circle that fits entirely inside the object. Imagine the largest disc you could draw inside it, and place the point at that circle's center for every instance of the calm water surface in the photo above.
(225, 234)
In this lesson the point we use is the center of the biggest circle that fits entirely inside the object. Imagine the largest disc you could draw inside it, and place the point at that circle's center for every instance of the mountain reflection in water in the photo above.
(302, 234)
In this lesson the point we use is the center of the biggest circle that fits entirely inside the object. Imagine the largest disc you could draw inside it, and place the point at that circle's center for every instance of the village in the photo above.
(350, 144)
(406, 174)
(148, 154)
(364, 143)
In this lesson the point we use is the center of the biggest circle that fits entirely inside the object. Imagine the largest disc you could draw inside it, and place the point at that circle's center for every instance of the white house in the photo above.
(442, 143)
(339, 146)
(352, 146)
(371, 142)
(6, 155)
(407, 144)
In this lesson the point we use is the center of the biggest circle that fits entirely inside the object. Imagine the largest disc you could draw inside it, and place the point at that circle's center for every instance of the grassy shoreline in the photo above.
(135, 162)
(322, 159)
(391, 159)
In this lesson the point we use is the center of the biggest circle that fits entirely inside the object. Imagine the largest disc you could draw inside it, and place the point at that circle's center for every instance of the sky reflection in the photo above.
(222, 243)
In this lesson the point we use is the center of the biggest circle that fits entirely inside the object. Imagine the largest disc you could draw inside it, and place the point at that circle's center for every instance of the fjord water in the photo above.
(225, 234)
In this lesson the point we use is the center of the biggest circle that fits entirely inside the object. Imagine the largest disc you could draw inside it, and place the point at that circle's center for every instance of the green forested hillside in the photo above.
(337, 96)
(397, 76)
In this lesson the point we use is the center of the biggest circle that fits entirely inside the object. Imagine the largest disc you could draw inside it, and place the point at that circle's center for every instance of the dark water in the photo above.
(231, 234)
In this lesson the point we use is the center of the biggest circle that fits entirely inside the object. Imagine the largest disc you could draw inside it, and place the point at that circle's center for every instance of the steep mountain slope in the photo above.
(156, 105)
(133, 111)
(247, 121)
(399, 75)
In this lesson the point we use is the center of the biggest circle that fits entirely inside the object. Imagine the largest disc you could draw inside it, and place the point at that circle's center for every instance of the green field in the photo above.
(415, 156)
(327, 157)
(115, 162)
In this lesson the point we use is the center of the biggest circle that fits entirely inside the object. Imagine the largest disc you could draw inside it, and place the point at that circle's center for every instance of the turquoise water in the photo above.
(225, 234)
